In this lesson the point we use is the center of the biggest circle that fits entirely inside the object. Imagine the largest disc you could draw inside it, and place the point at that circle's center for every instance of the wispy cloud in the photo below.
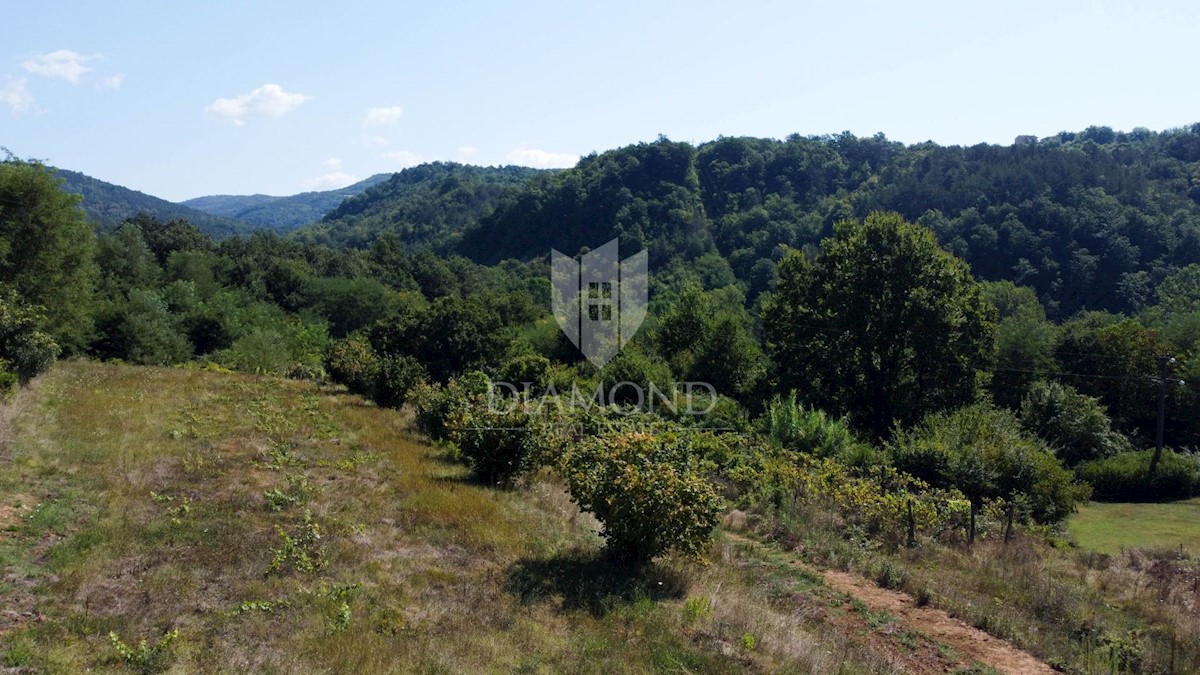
(383, 117)
(403, 158)
(379, 141)
(63, 64)
(269, 100)
(15, 94)
(330, 181)
(111, 82)
(541, 159)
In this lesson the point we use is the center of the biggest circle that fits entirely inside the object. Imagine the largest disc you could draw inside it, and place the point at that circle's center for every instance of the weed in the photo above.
(300, 552)
(697, 609)
(146, 657)
(749, 642)
(299, 492)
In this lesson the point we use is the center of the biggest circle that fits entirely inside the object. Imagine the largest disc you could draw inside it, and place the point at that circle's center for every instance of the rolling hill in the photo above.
(282, 214)
(108, 205)
(430, 204)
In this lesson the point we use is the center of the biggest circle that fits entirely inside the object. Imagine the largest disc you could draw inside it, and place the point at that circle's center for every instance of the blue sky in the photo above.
(181, 100)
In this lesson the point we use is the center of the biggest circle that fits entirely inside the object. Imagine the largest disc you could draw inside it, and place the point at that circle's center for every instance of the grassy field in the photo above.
(1110, 528)
(166, 519)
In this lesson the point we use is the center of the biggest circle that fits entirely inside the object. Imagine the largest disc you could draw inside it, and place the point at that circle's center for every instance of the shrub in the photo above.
(24, 348)
(1123, 478)
(442, 408)
(396, 377)
(1076, 426)
(500, 444)
(646, 489)
(352, 362)
(634, 366)
(532, 368)
(805, 430)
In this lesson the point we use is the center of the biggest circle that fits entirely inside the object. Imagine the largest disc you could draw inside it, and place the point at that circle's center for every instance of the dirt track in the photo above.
(938, 625)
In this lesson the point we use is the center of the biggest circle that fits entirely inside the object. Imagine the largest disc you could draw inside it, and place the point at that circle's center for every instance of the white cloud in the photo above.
(380, 141)
(333, 164)
(383, 117)
(541, 158)
(15, 94)
(111, 82)
(466, 152)
(403, 158)
(330, 181)
(63, 64)
(269, 100)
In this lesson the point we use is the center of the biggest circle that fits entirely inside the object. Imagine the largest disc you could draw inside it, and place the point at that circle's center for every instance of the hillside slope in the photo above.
(281, 214)
(430, 204)
(108, 205)
(278, 526)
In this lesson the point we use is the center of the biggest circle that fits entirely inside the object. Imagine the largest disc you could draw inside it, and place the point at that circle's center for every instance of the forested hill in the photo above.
(281, 214)
(108, 205)
(428, 204)
(1090, 220)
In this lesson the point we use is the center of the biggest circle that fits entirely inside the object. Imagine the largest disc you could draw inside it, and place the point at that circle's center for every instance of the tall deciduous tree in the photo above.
(884, 325)
(46, 249)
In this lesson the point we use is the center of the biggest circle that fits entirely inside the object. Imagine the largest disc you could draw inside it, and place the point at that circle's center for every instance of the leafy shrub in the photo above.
(442, 408)
(396, 377)
(25, 349)
(532, 368)
(631, 365)
(1124, 478)
(1076, 426)
(352, 362)
(810, 431)
(500, 443)
(284, 347)
(8, 381)
(646, 489)
(146, 657)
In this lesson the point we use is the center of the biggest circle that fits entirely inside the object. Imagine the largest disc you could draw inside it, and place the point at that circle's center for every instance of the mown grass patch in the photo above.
(1110, 528)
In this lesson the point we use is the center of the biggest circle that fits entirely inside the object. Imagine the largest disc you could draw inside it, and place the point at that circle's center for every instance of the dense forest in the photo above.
(856, 282)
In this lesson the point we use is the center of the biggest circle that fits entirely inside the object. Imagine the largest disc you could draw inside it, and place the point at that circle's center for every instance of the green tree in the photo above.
(1025, 341)
(884, 325)
(984, 453)
(46, 249)
(25, 350)
(1076, 426)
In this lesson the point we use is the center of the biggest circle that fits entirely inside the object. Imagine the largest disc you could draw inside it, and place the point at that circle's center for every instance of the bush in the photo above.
(532, 368)
(395, 378)
(25, 349)
(440, 409)
(1076, 426)
(352, 362)
(634, 366)
(500, 444)
(646, 489)
(1123, 478)
(805, 430)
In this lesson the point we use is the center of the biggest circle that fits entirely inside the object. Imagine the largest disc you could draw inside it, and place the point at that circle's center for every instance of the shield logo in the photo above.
(599, 301)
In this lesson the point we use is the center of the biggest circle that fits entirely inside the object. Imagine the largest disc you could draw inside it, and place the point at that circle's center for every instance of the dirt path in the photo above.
(938, 625)
(970, 642)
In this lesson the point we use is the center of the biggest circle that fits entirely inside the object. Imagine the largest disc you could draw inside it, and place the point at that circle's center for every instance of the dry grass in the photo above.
(145, 509)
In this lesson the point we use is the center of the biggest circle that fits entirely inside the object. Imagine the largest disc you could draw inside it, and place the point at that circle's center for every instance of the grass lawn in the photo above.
(1108, 528)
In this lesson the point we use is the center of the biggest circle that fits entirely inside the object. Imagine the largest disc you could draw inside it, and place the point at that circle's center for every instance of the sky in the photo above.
(182, 99)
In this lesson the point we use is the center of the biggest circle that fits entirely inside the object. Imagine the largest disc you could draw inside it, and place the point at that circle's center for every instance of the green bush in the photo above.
(396, 377)
(810, 431)
(1076, 426)
(1123, 478)
(532, 368)
(631, 365)
(442, 408)
(8, 381)
(25, 349)
(352, 362)
(500, 443)
(647, 490)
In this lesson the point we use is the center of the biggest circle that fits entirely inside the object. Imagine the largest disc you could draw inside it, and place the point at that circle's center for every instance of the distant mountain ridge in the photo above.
(281, 214)
(427, 205)
(108, 205)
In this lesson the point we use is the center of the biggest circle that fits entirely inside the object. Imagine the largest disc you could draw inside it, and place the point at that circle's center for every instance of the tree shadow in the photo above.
(592, 581)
